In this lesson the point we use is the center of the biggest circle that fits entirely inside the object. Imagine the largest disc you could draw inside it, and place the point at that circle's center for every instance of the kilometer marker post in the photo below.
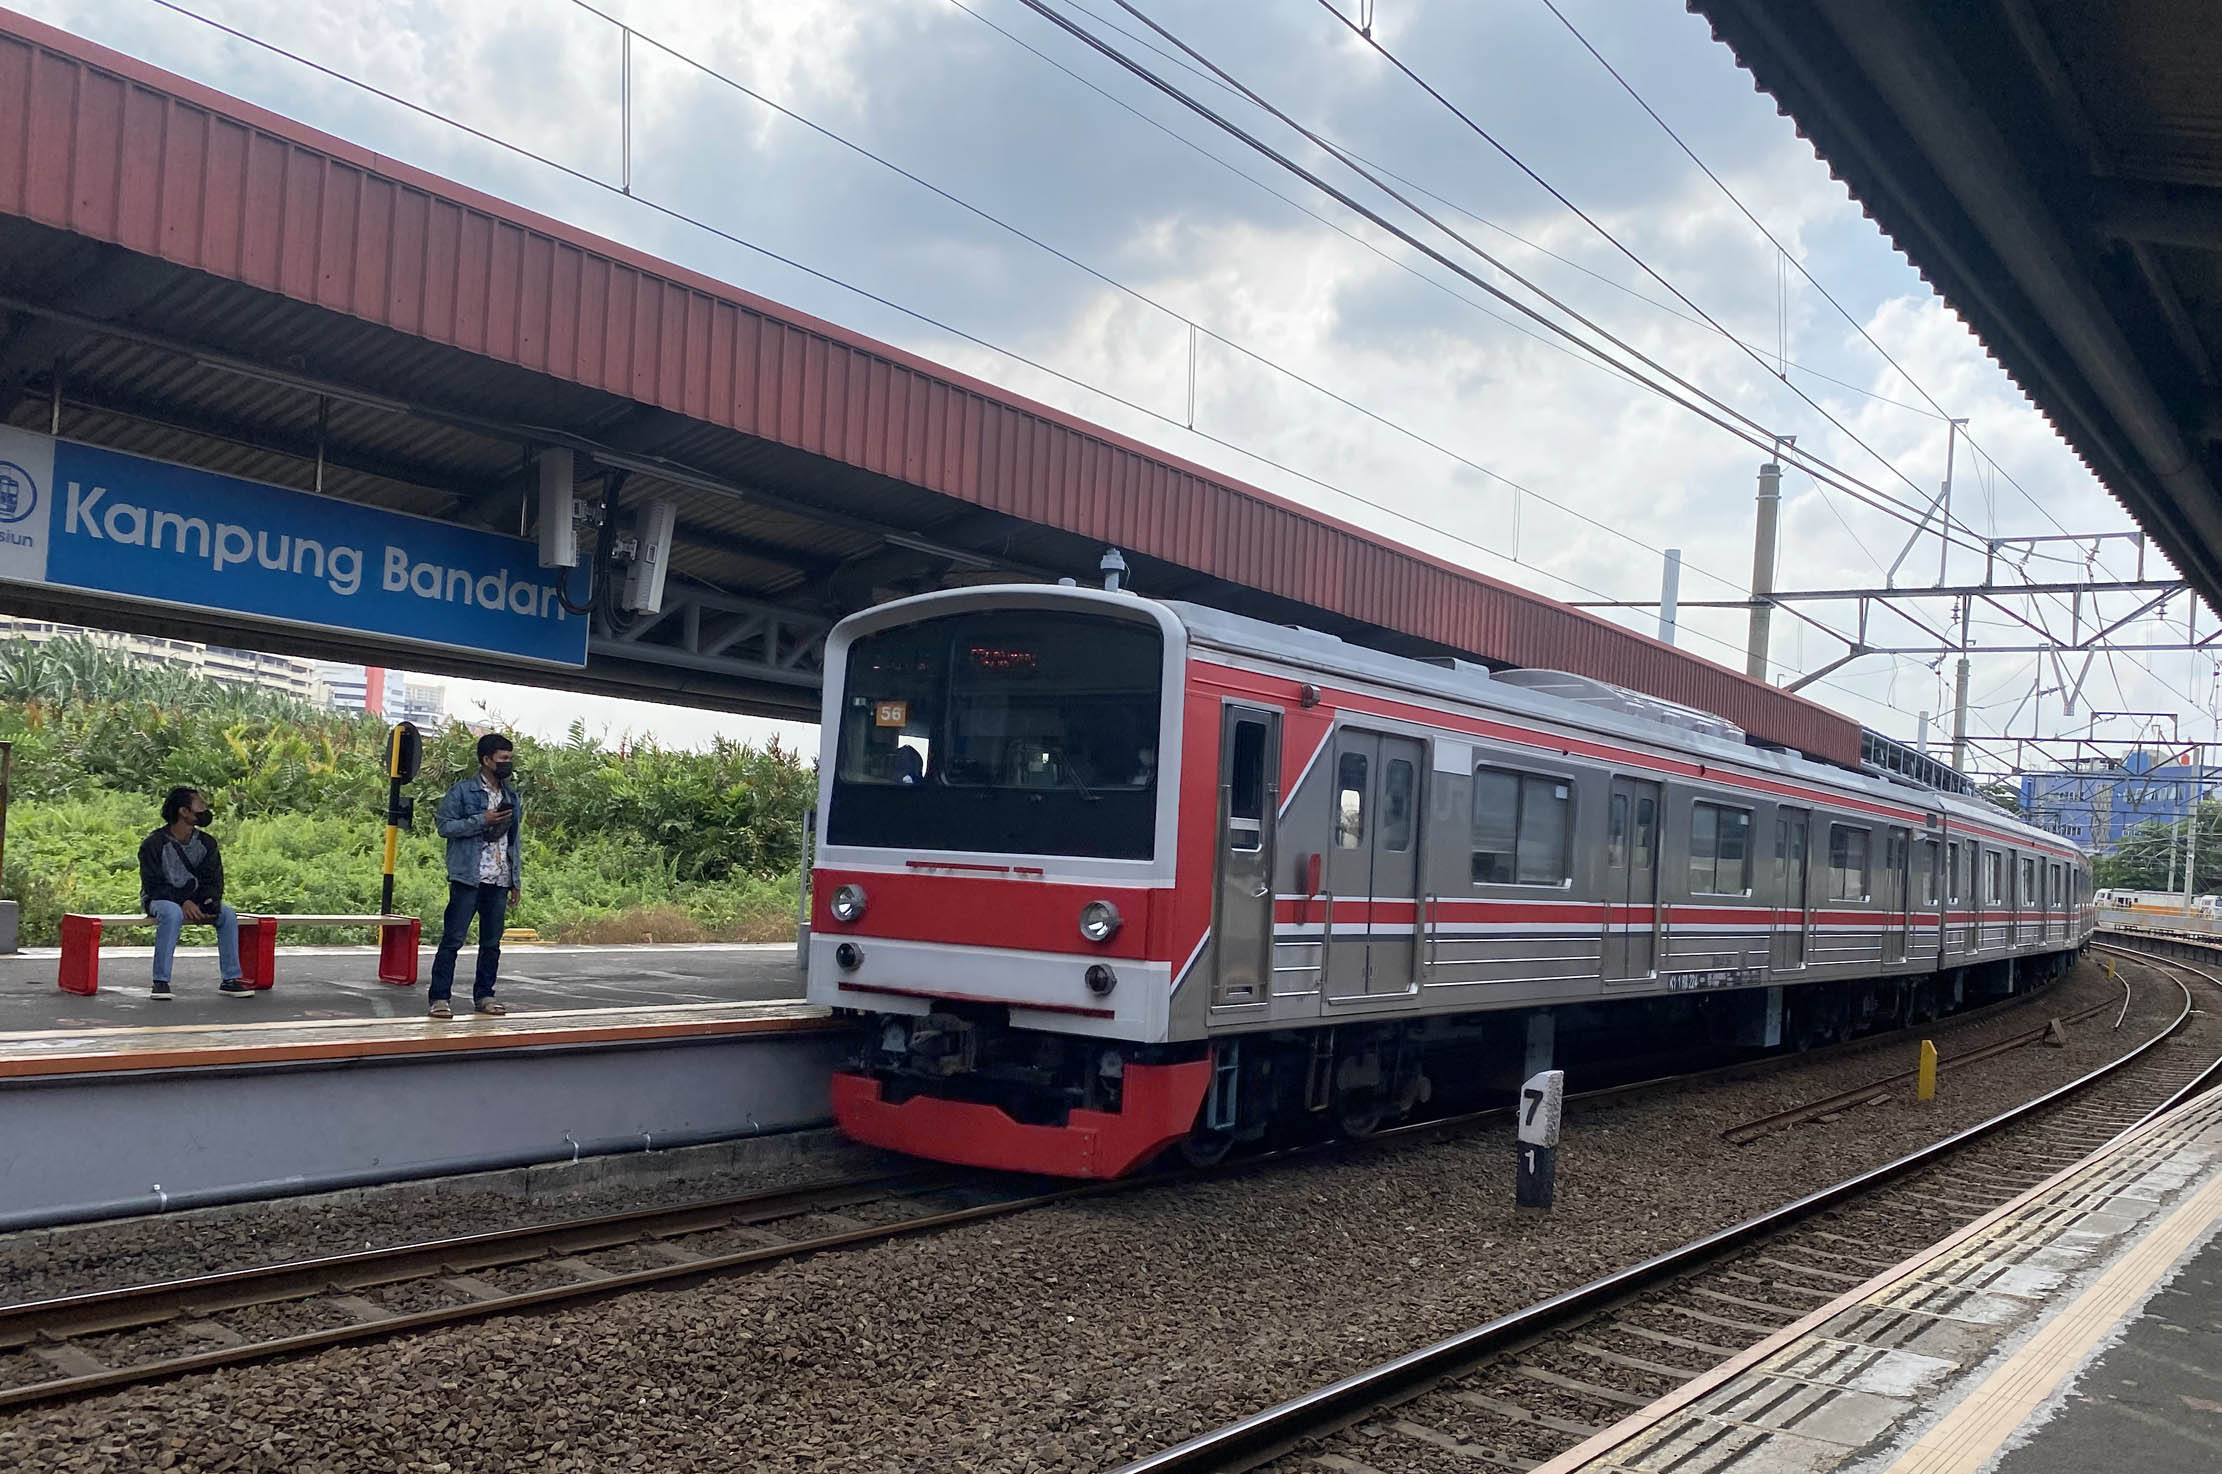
(1541, 1100)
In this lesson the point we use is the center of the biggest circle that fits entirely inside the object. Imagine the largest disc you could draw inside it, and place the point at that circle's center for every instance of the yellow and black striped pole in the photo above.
(404, 750)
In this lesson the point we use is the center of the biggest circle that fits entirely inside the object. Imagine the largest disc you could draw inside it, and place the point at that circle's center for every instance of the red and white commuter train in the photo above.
(1109, 874)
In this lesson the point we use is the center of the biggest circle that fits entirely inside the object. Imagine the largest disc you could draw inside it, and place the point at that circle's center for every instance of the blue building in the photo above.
(2095, 804)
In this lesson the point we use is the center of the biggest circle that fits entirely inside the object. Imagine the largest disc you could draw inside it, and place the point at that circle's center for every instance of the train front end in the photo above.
(998, 789)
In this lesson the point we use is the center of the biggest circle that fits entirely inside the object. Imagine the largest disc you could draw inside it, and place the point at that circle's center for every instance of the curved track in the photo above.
(71, 1346)
(1528, 1385)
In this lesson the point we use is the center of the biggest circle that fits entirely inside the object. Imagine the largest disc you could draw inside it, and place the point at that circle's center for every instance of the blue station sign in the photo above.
(80, 517)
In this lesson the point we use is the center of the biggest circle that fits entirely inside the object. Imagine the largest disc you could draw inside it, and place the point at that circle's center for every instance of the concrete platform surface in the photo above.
(342, 982)
(2077, 1328)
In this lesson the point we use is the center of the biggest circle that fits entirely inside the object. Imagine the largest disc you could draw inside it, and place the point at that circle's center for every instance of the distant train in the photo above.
(1109, 874)
(2156, 903)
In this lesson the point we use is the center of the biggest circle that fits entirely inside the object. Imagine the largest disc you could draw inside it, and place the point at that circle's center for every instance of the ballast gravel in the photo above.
(1071, 1337)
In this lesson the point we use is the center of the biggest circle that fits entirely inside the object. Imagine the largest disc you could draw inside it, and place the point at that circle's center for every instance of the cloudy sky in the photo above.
(1330, 362)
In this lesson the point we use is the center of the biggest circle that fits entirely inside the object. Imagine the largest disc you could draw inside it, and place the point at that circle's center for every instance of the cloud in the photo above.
(938, 92)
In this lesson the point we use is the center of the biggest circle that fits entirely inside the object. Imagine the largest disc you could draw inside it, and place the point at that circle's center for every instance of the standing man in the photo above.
(479, 820)
(181, 879)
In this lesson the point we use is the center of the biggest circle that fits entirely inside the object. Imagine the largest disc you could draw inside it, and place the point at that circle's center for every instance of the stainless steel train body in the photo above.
(1076, 847)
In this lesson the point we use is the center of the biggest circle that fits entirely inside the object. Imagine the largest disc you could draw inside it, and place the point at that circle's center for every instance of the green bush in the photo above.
(619, 839)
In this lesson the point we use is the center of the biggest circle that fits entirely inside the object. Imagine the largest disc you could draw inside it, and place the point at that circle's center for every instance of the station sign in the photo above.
(76, 516)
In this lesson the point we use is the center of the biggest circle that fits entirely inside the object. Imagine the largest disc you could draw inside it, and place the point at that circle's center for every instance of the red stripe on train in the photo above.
(1014, 913)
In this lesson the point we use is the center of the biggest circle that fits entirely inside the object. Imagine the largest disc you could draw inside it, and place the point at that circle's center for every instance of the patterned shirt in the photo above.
(493, 856)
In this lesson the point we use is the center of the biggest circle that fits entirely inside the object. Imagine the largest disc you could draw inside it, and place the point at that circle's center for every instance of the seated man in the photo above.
(181, 879)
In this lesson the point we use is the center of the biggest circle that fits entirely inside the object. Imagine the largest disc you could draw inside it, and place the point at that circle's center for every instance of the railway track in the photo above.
(72, 1346)
(1527, 1386)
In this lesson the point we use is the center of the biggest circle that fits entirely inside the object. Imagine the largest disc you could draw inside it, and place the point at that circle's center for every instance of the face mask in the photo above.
(200, 820)
(502, 771)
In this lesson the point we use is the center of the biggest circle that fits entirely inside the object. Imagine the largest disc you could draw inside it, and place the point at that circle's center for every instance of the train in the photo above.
(1101, 876)
(2157, 903)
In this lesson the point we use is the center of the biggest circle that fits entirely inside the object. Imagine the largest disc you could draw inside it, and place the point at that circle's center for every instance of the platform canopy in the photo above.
(2054, 168)
(193, 279)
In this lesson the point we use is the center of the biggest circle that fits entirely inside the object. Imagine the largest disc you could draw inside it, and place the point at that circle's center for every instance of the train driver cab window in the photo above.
(1350, 801)
(1522, 826)
(1246, 787)
(1006, 731)
(1720, 850)
(1848, 869)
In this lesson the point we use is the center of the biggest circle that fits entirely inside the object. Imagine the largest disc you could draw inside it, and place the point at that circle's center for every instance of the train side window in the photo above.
(1522, 828)
(1925, 872)
(1396, 805)
(1350, 801)
(1246, 787)
(2027, 895)
(1848, 870)
(1994, 878)
(1952, 871)
(1720, 850)
(1616, 833)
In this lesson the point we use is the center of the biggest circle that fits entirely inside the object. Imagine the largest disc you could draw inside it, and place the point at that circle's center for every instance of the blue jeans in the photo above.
(169, 920)
(490, 904)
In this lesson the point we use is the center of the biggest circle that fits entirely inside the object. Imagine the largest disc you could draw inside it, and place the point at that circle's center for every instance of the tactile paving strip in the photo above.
(1868, 1369)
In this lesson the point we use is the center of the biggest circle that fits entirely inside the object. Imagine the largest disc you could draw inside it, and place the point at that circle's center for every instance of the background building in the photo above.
(404, 700)
(234, 667)
(2097, 802)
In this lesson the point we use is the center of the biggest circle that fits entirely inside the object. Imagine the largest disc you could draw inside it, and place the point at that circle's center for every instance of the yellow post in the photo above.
(2110, 969)
(1925, 1077)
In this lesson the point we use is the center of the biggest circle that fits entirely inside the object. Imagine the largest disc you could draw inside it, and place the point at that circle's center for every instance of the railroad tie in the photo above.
(1633, 1363)
(1586, 1389)
(1518, 1414)
(1480, 1453)
(1663, 1338)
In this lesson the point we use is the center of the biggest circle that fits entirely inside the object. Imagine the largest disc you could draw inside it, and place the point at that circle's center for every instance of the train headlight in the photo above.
(848, 957)
(1100, 921)
(848, 903)
(1100, 979)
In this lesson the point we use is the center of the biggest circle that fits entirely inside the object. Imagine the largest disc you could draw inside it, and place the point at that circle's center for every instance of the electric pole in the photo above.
(1763, 566)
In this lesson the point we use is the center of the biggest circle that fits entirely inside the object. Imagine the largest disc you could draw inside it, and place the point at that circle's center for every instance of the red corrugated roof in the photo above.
(118, 151)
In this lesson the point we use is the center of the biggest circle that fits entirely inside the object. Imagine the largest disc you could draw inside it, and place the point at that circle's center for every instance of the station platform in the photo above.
(116, 1105)
(2076, 1328)
(342, 982)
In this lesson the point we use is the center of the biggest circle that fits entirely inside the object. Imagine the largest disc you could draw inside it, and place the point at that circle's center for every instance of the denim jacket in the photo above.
(461, 820)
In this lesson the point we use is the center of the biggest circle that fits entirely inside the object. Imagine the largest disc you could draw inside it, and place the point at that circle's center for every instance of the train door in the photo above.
(1928, 896)
(1249, 804)
(1372, 879)
(1793, 911)
(1897, 895)
(1632, 881)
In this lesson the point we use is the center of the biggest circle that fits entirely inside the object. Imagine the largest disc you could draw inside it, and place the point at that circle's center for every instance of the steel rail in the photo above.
(1760, 1126)
(603, 1283)
(24, 1323)
(1248, 1441)
(54, 1322)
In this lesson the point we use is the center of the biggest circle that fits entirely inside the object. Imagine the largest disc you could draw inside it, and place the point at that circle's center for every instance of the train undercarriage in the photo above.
(1042, 1100)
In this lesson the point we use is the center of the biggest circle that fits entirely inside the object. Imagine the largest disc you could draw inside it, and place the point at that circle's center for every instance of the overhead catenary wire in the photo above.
(1373, 40)
(1685, 394)
(1796, 264)
(677, 215)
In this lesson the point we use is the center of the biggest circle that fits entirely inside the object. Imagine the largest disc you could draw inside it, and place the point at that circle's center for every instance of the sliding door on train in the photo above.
(1373, 867)
(1794, 916)
(1249, 806)
(1632, 881)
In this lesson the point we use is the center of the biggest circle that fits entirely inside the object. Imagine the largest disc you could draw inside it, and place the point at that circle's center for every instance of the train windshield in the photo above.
(1019, 732)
